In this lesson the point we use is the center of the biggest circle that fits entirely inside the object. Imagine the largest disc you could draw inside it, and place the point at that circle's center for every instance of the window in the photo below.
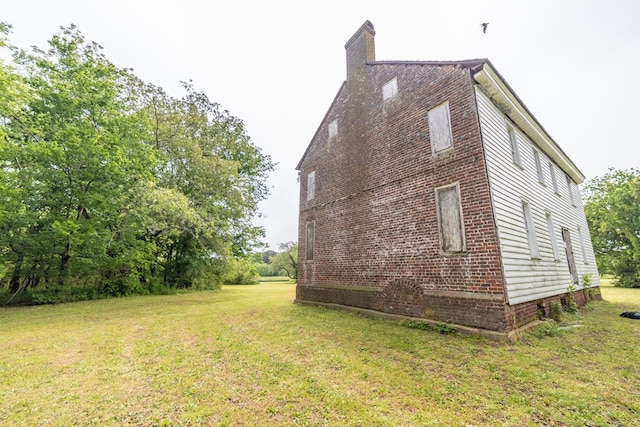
(570, 189)
(390, 89)
(531, 231)
(583, 249)
(552, 237)
(333, 129)
(554, 181)
(309, 241)
(515, 150)
(311, 185)
(536, 156)
(440, 128)
(451, 225)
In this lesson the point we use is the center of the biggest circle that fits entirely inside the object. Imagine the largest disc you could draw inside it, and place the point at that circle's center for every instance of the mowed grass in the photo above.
(247, 356)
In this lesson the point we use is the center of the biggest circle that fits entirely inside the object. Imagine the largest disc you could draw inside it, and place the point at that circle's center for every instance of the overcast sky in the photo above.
(277, 65)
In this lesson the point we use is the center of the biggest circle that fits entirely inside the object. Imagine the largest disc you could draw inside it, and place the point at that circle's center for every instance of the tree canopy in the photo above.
(613, 212)
(109, 184)
(287, 259)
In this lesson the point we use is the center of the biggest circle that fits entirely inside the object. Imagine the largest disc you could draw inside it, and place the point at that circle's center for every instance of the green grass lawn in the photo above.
(246, 355)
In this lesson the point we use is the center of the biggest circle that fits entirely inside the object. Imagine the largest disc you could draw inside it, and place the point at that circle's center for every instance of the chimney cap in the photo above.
(367, 26)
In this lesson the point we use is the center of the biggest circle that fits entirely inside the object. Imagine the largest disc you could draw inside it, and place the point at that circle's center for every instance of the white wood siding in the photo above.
(529, 279)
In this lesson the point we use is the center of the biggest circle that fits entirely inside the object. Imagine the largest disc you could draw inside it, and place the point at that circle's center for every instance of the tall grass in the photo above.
(246, 355)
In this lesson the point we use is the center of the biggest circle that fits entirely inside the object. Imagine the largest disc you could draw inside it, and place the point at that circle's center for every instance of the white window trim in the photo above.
(554, 178)
(570, 190)
(536, 158)
(513, 143)
(583, 248)
(530, 230)
(390, 89)
(552, 237)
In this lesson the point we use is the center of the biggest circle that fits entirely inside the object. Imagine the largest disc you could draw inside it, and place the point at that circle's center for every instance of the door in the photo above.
(568, 247)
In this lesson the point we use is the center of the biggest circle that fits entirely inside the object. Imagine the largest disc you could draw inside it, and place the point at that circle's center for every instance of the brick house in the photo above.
(429, 190)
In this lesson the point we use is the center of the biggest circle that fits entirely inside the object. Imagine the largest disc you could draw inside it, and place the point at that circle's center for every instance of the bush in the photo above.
(627, 282)
(571, 307)
(265, 270)
(240, 271)
(555, 311)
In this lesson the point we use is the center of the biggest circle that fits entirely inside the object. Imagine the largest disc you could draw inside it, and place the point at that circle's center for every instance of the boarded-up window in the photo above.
(311, 185)
(552, 237)
(333, 129)
(571, 261)
(515, 149)
(450, 219)
(531, 231)
(536, 157)
(554, 181)
(440, 128)
(309, 241)
(390, 89)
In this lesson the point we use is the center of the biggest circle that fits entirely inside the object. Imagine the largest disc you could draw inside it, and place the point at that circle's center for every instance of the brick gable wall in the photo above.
(377, 242)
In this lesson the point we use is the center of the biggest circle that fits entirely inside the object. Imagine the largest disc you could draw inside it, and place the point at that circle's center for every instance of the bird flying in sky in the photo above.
(484, 26)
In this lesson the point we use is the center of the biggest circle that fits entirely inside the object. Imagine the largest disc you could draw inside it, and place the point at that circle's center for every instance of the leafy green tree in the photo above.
(613, 212)
(287, 259)
(108, 182)
(207, 156)
(73, 153)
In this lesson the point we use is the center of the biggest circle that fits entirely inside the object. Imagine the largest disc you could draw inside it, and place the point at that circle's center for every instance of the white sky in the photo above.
(278, 64)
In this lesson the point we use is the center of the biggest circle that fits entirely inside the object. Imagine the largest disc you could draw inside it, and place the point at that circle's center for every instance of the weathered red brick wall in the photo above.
(528, 312)
(374, 207)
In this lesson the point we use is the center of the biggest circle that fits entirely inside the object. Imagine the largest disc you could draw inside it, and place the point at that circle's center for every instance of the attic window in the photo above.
(390, 89)
(440, 128)
(333, 129)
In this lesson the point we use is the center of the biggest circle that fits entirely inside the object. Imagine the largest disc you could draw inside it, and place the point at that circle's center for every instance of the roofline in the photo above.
(467, 63)
(335, 98)
(498, 89)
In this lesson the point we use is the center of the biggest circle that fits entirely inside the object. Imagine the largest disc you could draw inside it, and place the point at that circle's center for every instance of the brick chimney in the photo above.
(360, 50)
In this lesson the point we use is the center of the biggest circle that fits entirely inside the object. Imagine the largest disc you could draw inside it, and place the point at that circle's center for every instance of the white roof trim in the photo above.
(498, 90)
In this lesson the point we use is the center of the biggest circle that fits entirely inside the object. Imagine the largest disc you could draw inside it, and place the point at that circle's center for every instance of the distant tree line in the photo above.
(283, 263)
(612, 207)
(109, 186)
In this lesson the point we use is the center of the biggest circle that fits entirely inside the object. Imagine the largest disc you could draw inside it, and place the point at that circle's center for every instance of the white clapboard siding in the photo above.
(529, 279)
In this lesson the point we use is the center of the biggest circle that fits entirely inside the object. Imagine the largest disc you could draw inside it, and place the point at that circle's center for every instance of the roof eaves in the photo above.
(489, 78)
(467, 63)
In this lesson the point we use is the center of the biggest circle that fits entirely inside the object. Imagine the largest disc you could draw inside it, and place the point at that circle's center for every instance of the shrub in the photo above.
(555, 311)
(571, 307)
(240, 271)
(589, 292)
